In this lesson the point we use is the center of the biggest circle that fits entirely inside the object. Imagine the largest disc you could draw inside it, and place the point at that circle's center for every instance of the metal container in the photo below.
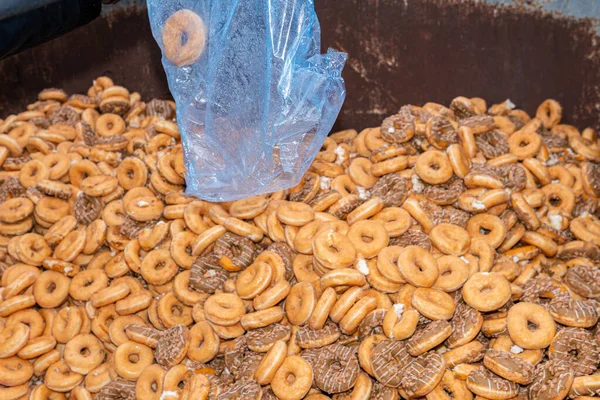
(400, 52)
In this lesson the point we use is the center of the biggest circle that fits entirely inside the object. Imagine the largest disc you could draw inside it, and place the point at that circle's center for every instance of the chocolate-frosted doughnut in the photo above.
(390, 358)
(336, 380)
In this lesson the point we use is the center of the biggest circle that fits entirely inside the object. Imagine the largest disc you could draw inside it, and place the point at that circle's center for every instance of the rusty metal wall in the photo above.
(401, 51)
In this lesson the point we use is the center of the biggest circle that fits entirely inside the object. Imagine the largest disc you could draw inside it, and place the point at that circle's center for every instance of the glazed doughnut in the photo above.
(395, 220)
(486, 291)
(459, 161)
(322, 309)
(37, 347)
(530, 326)
(433, 304)
(549, 112)
(15, 210)
(117, 330)
(271, 362)
(262, 318)
(350, 322)
(305, 236)
(60, 378)
(131, 358)
(524, 143)
(83, 353)
(450, 239)
(15, 304)
(360, 172)
(399, 323)
(272, 295)
(300, 303)
(295, 214)
(413, 206)
(387, 263)
(434, 167)
(14, 338)
(333, 249)
(453, 273)
(150, 382)
(342, 277)
(369, 237)
(19, 285)
(188, 24)
(15, 371)
(487, 227)
(365, 210)
(418, 267)
(158, 267)
(204, 343)
(293, 379)
(172, 312)
(224, 309)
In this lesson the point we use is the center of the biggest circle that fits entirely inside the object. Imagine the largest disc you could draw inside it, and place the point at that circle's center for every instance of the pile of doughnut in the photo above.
(448, 254)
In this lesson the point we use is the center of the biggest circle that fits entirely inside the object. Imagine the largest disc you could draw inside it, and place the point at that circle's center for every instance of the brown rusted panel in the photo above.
(118, 44)
(415, 51)
(401, 51)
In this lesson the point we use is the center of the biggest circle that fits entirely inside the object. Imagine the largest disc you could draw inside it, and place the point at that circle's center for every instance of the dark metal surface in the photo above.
(401, 51)
(119, 44)
(417, 51)
(28, 23)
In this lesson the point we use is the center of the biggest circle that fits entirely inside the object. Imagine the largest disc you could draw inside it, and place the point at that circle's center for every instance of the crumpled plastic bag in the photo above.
(255, 98)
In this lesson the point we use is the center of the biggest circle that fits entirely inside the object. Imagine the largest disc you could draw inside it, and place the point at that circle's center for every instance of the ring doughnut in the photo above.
(400, 324)
(423, 374)
(418, 267)
(150, 383)
(486, 291)
(395, 220)
(131, 358)
(224, 309)
(429, 337)
(433, 303)
(271, 362)
(554, 379)
(188, 24)
(300, 303)
(530, 326)
(83, 353)
(453, 273)
(508, 366)
(450, 239)
(524, 143)
(204, 343)
(15, 371)
(60, 378)
(158, 267)
(368, 237)
(487, 227)
(333, 250)
(483, 382)
(434, 167)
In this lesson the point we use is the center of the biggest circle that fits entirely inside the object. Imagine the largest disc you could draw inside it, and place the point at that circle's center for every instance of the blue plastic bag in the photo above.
(255, 98)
